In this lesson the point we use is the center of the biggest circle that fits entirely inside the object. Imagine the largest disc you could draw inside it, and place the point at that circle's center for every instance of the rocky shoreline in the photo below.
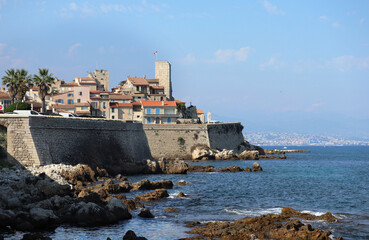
(40, 199)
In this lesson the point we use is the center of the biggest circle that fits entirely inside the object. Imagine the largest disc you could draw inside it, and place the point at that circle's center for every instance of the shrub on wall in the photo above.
(18, 106)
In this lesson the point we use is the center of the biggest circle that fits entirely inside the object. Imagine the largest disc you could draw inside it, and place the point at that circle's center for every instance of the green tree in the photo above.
(43, 81)
(11, 82)
(24, 81)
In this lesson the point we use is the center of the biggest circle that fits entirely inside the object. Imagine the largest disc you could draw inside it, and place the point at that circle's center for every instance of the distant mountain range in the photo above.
(297, 139)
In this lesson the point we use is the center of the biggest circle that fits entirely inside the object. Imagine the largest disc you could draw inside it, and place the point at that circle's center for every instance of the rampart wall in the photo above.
(111, 144)
(114, 145)
(176, 141)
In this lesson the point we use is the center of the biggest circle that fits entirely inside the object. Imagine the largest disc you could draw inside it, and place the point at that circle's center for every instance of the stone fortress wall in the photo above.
(176, 141)
(112, 144)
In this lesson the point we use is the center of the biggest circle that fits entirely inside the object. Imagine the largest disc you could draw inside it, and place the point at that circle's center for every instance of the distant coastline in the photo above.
(296, 139)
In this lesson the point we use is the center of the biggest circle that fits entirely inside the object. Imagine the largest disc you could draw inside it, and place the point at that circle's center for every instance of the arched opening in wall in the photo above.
(3, 143)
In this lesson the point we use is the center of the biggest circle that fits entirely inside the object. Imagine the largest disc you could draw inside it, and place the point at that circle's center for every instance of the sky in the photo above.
(282, 66)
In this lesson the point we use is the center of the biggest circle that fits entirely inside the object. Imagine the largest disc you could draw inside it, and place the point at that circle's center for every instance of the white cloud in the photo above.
(336, 24)
(272, 8)
(346, 63)
(228, 55)
(323, 18)
(362, 20)
(72, 49)
(273, 63)
(106, 8)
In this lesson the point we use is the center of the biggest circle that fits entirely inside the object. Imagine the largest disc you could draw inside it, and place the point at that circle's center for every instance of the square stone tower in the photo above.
(102, 77)
(163, 73)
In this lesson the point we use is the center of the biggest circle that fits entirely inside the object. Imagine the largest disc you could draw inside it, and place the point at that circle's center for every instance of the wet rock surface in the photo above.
(148, 185)
(131, 235)
(270, 226)
(195, 168)
(153, 195)
(231, 169)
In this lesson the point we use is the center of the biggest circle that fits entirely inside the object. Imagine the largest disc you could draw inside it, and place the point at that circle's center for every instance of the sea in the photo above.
(328, 179)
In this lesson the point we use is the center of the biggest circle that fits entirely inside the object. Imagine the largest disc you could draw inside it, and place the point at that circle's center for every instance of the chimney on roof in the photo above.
(145, 76)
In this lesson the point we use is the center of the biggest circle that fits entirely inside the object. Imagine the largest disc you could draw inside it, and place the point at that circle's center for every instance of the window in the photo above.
(78, 100)
(104, 113)
(112, 117)
(70, 101)
(157, 110)
(84, 108)
(80, 93)
(112, 110)
(148, 120)
(63, 89)
(69, 89)
(148, 110)
(129, 111)
(169, 120)
(104, 104)
(122, 111)
(59, 101)
(70, 95)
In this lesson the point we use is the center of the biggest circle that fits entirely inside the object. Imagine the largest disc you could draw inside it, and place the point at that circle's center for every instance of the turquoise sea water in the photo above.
(334, 179)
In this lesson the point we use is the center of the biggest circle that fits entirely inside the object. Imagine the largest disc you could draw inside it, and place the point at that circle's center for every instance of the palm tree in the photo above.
(11, 82)
(24, 82)
(43, 81)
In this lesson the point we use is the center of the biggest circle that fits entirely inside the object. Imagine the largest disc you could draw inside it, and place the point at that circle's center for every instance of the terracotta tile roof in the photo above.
(154, 80)
(82, 104)
(138, 81)
(72, 84)
(157, 87)
(94, 91)
(34, 88)
(136, 103)
(199, 111)
(159, 103)
(114, 104)
(88, 83)
(95, 97)
(120, 96)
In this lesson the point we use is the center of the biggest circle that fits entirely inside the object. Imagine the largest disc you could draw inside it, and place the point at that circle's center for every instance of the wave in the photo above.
(254, 212)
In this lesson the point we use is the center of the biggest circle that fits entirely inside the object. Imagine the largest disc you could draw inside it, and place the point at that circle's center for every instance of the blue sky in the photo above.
(300, 66)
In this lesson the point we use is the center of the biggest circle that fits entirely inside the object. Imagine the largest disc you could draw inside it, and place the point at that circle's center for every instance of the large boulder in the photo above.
(42, 218)
(231, 169)
(166, 166)
(173, 166)
(118, 209)
(256, 167)
(201, 152)
(81, 172)
(145, 213)
(153, 195)
(130, 235)
(196, 168)
(225, 155)
(148, 185)
(249, 155)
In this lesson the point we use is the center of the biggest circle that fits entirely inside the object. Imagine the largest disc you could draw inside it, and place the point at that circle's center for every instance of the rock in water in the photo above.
(256, 167)
(153, 195)
(249, 155)
(231, 169)
(145, 213)
(130, 235)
